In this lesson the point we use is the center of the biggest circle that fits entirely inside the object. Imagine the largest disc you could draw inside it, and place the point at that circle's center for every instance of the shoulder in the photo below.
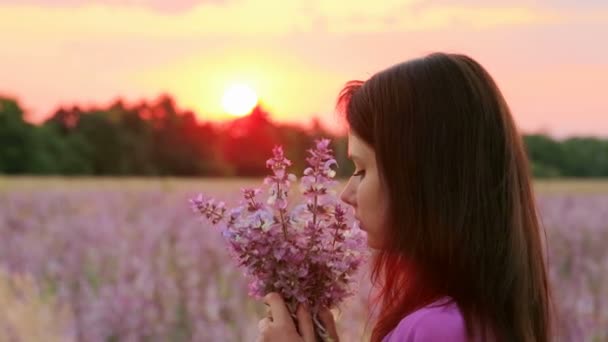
(440, 321)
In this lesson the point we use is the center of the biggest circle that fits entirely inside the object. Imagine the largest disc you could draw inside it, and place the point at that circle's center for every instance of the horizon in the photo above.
(338, 129)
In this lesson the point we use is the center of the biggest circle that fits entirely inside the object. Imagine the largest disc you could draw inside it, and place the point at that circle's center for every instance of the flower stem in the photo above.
(283, 223)
(333, 244)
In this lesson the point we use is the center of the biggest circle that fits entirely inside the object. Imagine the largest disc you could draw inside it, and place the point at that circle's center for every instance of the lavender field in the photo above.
(126, 260)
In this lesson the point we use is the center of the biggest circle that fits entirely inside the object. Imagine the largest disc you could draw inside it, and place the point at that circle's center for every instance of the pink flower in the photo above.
(308, 254)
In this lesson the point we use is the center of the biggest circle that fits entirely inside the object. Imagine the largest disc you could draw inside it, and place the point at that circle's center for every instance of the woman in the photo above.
(443, 190)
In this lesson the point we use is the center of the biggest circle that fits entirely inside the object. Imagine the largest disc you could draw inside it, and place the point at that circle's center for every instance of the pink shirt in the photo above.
(438, 321)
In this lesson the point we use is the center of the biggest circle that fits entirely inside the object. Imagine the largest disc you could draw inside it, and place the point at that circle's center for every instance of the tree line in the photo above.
(156, 138)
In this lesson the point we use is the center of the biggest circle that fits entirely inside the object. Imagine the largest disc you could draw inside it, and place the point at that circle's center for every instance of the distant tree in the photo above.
(180, 145)
(65, 120)
(107, 143)
(546, 155)
(15, 136)
(248, 141)
(157, 138)
(137, 136)
(585, 157)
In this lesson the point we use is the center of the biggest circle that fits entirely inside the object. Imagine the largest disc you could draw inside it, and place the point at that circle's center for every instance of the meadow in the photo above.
(106, 259)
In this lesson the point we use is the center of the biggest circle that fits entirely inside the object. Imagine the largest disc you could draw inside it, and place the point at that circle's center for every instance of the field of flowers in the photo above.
(126, 260)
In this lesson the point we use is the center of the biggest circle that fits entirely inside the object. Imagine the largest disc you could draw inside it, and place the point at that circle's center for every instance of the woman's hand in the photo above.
(280, 326)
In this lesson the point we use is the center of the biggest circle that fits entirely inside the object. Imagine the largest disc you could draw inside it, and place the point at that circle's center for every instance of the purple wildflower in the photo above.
(308, 254)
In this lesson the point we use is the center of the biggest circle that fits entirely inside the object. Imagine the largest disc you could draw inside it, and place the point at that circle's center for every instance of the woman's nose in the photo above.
(348, 195)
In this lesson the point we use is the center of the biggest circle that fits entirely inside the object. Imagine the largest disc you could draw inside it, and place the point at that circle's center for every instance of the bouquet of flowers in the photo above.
(308, 253)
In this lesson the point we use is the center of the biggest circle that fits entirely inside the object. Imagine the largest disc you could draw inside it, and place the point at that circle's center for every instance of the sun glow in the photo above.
(239, 99)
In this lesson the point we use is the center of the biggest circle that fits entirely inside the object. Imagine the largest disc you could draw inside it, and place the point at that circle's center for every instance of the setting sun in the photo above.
(239, 100)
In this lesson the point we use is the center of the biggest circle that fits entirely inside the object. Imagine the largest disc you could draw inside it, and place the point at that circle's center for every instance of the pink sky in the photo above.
(550, 57)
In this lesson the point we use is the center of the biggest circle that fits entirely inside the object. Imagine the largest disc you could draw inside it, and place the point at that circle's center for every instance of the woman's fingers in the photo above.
(280, 323)
(327, 318)
(278, 309)
(264, 324)
(279, 326)
(305, 325)
(264, 329)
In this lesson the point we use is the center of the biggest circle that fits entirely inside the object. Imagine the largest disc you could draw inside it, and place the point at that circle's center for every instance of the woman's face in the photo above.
(364, 191)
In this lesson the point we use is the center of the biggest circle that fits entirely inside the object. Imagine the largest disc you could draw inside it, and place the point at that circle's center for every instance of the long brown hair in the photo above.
(463, 220)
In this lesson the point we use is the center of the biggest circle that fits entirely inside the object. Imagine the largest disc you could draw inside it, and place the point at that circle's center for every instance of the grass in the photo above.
(581, 186)
(217, 185)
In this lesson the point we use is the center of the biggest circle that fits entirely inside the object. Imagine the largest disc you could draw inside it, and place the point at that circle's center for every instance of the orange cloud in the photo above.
(251, 17)
(157, 5)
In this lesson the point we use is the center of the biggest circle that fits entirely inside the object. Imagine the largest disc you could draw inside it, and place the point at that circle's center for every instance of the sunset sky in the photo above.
(549, 57)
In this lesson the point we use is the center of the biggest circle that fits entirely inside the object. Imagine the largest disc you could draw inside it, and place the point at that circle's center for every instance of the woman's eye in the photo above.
(359, 173)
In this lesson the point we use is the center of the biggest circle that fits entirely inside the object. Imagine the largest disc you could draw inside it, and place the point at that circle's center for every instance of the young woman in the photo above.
(443, 188)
